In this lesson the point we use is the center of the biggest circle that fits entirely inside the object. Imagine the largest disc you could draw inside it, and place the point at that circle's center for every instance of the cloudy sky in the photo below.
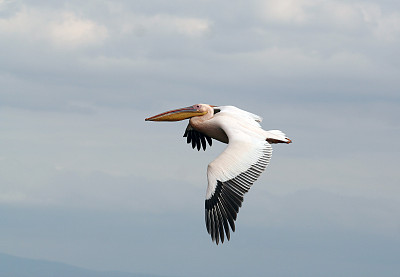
(85, 181)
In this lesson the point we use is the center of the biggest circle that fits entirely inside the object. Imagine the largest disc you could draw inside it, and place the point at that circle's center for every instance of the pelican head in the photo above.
(181, 114)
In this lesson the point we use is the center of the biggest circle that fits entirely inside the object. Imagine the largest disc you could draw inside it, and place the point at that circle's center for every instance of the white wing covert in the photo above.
(241, 114)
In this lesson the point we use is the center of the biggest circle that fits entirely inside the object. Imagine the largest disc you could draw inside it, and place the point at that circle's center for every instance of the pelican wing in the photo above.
(231, 175)
(196, 138)
(242, 114)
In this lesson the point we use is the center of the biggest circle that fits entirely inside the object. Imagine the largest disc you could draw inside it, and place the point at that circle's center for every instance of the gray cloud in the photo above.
(125, 53)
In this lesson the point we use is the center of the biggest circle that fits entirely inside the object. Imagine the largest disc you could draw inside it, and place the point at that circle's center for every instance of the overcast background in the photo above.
(85, 181)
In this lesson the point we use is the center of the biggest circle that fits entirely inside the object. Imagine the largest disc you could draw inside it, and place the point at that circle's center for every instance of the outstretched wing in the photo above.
(231, 175)
(196, 138)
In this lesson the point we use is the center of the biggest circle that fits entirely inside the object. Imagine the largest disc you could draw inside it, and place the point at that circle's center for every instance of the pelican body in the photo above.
(234, 171)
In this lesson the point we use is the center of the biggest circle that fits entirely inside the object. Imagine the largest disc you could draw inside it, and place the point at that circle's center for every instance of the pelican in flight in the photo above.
(233, 172)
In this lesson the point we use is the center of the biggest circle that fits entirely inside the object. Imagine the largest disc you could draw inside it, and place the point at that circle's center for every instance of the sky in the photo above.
(84, 180)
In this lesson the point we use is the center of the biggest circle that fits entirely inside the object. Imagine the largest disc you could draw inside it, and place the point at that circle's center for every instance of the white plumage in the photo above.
(233, 172)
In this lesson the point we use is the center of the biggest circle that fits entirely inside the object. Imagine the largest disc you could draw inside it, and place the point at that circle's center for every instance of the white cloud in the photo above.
(285, 11)
(59, 28)
(343, 16)
(302, 12)
(383, 26)
(19, 23)
(74, 31)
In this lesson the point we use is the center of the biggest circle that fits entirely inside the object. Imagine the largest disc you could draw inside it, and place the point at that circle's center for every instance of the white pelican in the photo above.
(233, 172)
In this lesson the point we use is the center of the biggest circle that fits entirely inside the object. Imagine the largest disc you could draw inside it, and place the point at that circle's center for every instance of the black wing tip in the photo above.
(221, 212)
(197, 139)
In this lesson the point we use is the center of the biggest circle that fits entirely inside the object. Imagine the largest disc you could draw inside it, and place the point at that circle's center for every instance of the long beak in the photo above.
(176, 115)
